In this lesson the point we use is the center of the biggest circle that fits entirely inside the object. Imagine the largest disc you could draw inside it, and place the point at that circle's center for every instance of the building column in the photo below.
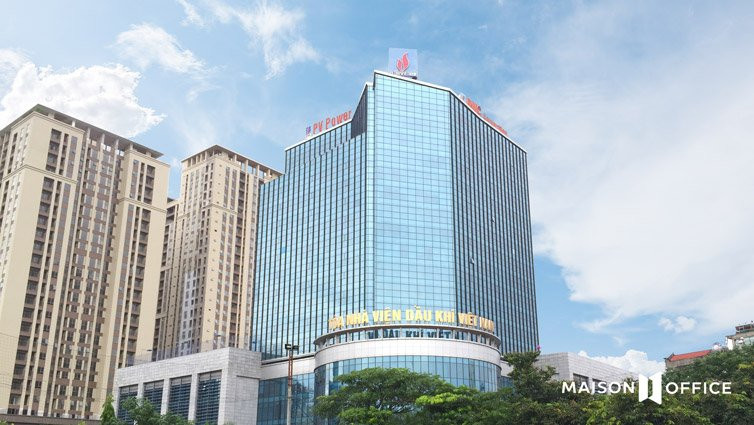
(192, 398)
(223, 404)
(165, 396)
(116, 400)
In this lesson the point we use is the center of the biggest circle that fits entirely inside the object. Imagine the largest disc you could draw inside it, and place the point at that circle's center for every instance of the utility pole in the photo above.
(290, 348)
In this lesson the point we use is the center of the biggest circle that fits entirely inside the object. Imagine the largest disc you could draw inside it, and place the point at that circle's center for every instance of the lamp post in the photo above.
(290, 348)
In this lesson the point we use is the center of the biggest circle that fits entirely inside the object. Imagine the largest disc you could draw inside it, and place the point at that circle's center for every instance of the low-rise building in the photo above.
(744, 336)
(678, 360)
(219, 386)
(582, 369)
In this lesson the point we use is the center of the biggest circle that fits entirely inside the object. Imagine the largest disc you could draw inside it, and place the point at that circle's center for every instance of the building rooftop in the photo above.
(471, 106)
(215, 149)
(686, 356)
(94, 131)
(748, 327)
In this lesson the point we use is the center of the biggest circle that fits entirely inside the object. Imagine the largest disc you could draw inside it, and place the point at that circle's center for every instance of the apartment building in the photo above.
(82, 213)
(207, 277)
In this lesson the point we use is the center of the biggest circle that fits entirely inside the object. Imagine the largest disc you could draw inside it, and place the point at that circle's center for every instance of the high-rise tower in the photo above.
(206, 285)
(418, 203)
(81, 219)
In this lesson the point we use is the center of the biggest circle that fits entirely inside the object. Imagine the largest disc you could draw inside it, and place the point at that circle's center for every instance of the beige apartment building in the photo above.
(207, 279)
(82, 216)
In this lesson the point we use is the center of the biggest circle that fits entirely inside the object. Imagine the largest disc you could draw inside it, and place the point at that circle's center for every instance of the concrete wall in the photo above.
(566, 364)
(239, 386)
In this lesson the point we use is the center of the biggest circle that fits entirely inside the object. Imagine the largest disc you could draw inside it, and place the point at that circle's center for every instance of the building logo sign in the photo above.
(410, 315)
(327, 123)
(651, 384)
(656, 381)
(403, 62)
(478, 109)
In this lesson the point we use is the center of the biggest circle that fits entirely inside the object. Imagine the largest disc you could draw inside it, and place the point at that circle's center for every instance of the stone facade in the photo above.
(239, 384)
(573, 367)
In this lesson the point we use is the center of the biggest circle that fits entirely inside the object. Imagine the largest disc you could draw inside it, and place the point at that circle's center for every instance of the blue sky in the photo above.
(636, 116)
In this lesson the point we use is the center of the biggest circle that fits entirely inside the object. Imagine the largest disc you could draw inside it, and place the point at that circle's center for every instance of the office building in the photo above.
(207, 278)
(399, 236)
(81, 219)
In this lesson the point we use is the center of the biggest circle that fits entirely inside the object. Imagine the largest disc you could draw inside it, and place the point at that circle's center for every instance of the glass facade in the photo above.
(124, 393)
(153, 394)
(494, 263)
(476, 374)
(273, 398)
(413, 196)
(415, 202)
(311, 243)
(208, 398)
(179, 396)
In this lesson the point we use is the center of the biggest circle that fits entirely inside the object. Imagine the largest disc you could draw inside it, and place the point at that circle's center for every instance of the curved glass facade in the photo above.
(406, 332)
(273, 396)
(476, 374)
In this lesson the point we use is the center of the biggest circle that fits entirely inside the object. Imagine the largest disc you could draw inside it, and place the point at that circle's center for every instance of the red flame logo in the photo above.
(402, 63)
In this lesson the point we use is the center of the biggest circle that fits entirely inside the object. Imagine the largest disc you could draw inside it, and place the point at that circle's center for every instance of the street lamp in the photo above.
(290, 348)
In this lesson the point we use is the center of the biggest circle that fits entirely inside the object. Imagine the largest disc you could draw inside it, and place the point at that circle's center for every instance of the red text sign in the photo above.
(327, 123)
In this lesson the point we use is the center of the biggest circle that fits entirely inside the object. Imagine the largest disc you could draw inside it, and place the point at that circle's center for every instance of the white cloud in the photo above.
(102, 95)
(274, 30)
(679, 325)
(192, 14)
(10, 61)
(147, 44)
(640, 160)
(198, 130)
(633, 361)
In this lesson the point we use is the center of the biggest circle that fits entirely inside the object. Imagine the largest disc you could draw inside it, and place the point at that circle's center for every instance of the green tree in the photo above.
(378, 396)
(144, 413)
(530, 381)
(537, 399)
(108, 412)
(447, 408)
(734, 366)
(625, 409)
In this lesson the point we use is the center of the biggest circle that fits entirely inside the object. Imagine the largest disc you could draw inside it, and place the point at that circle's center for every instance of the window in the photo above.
(178, 400)
(208, 398)
(124, 394)
(596, 387)
(153, 394)
(579, 379)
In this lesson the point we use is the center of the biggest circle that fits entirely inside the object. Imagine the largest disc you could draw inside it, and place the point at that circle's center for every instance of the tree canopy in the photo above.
(399, 396)
(108, 412)
(378, 396)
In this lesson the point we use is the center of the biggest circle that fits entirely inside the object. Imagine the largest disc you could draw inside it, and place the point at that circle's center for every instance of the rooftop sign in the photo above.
(403, 62)
(327, 123)
(478, 109)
